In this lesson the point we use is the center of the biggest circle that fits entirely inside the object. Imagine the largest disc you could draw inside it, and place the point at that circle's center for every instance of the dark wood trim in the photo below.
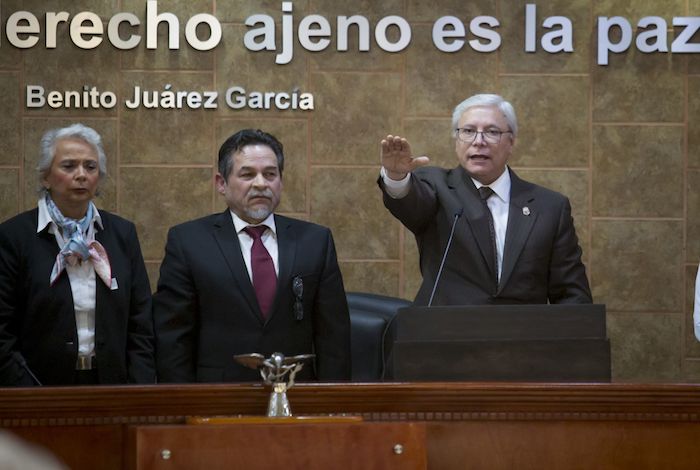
(422, 401)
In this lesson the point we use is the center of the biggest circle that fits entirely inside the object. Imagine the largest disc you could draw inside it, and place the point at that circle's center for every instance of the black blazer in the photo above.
(38, 320)
(205, 309)
(542, 257)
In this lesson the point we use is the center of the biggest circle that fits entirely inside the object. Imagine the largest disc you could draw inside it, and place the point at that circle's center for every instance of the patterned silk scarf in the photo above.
(77, 248)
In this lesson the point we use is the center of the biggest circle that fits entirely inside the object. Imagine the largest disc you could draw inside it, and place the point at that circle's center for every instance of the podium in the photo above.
(533, 343)
(254, 443)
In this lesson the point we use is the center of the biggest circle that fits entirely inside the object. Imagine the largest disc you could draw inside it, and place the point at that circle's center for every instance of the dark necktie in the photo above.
(485, 193)
(264, 277)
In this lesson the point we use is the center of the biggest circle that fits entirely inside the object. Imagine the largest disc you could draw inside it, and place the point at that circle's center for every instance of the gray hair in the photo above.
(487, 100)
(74, 131)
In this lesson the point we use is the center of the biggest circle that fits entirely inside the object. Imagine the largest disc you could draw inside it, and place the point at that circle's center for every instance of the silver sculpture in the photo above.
(278, 371)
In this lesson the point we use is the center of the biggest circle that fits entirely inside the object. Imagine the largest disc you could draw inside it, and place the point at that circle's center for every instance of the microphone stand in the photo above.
(444, 256)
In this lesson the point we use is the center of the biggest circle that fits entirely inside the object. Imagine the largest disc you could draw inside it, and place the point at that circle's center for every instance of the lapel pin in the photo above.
(298, 290)
(526, 210)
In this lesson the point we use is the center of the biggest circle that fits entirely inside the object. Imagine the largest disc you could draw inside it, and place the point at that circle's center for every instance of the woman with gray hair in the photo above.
(75, 301)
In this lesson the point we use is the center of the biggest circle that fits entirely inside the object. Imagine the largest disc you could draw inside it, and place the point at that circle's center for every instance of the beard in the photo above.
(261, 212)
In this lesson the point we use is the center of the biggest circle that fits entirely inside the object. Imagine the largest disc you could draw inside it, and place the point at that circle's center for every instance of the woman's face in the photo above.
(73, 176)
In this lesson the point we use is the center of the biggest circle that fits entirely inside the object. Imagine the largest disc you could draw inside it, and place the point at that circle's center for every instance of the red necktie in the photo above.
(264, 277)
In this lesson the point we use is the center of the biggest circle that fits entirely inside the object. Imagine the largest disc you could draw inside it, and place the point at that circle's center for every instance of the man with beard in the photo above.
(249, 281)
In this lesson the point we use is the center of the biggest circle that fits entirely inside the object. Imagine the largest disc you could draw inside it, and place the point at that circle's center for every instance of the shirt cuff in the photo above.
(395, 189)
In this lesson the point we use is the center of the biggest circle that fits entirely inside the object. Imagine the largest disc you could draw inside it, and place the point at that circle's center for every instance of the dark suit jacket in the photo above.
(38, 320)
(542, 257)
(205, 309)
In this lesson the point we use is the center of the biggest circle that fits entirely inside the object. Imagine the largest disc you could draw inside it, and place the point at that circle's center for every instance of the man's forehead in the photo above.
(255, 149)
(256, 165)
(255, 153)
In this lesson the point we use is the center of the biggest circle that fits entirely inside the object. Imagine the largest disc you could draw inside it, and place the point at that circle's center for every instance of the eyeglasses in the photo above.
(468, 135)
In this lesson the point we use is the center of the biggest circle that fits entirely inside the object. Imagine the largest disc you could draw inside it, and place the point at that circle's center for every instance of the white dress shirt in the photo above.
(269, 239)
(82, 281)
(499, 204)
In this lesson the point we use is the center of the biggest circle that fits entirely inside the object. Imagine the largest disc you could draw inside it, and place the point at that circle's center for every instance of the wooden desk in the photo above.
(479, 425)
(278, 443)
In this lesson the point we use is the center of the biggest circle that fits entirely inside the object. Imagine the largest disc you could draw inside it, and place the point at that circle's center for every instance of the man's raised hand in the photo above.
(397, 159)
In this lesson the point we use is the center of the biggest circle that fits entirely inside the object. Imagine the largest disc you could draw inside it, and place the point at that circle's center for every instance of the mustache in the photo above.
(264, 193)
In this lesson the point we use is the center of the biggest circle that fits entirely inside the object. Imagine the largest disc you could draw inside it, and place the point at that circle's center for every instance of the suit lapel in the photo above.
(474, 213)
(104, 308)
(286, 249)
(227, 239)
(47, 248)
(521, 219)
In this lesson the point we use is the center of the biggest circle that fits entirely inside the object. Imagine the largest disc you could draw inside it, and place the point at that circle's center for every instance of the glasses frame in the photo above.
(458, 134)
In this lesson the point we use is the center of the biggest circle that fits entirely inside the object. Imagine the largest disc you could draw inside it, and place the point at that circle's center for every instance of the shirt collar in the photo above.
(45, 219)
(501, 187)
(240, 224)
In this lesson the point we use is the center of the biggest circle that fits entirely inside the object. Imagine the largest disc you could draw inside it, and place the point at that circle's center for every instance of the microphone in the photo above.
(444, 256)
(22, 362)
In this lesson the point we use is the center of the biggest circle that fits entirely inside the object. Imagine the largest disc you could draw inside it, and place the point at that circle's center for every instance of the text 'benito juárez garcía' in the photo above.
(235, 97)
